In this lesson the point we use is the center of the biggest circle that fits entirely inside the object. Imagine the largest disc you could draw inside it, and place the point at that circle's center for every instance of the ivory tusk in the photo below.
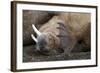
(34, 38)
(36, 30)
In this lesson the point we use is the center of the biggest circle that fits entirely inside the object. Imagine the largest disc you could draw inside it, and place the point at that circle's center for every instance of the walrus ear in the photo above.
(33, 37)
(36, 30)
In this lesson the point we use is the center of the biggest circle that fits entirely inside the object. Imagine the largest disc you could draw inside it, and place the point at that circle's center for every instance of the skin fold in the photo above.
(62, 32)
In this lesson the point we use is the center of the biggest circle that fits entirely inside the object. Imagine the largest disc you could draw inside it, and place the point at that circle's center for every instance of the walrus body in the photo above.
(61, 33)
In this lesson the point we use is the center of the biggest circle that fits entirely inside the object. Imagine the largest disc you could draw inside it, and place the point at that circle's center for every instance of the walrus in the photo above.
(62, 32)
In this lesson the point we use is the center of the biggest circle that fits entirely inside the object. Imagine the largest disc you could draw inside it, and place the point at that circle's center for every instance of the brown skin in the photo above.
(73, 26)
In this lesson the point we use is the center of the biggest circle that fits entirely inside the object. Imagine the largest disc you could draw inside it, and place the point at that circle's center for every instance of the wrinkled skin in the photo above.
(65, 30)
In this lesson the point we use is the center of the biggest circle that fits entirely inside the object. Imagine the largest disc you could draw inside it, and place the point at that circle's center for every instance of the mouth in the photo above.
(43, 52)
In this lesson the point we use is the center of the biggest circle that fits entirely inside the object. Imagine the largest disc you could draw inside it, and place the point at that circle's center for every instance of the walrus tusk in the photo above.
(34, 38)
(36, 30)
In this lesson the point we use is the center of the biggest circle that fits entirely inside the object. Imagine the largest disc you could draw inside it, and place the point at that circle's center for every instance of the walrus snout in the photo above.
(43, 51)
(42, 48)
(42, 44)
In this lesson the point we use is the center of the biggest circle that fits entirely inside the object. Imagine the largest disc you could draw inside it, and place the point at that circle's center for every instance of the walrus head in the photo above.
(45, 42)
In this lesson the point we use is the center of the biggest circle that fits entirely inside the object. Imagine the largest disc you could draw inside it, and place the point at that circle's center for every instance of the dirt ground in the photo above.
(30, 55)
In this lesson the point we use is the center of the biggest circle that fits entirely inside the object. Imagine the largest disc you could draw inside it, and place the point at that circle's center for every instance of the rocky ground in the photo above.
(30, 55)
